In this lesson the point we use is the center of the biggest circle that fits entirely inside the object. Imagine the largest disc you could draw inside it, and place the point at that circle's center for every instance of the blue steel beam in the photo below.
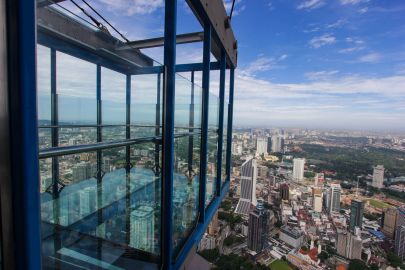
(21, 46)
(204, 120)
(230, 122)
(128, 121)
(221, 121)
(168, 130)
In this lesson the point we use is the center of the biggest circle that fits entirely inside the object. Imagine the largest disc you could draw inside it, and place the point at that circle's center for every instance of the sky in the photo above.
(301, 63)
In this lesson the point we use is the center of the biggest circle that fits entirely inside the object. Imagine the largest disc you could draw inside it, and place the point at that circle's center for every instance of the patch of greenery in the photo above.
(357, 265)
(378, 204)
(231, 218)
(395, 260)
(279, 265)
(233, 262)
(226, 205)
(233, 239)
(210, 255)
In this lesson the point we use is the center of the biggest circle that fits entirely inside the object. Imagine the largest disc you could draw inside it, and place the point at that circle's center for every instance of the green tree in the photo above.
(357, 265)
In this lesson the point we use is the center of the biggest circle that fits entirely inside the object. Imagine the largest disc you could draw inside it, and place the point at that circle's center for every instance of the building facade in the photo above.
(356, 214)
(261, 146)
(378, 176)
(389, 222)
(257, 228)
(292, 236)
(248, 177)
(349, 246)
(298, 169)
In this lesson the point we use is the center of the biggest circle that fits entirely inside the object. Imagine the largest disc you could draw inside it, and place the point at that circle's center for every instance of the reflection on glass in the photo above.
(211, 167)
(44, 85)
(113, 96)
(146, 105)
(224, 145)
(185, 188)
(76, 90)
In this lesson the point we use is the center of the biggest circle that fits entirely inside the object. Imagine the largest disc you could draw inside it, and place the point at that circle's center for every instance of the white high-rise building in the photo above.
(261, 145)
(277, 144)
(334, 197)
(142, 228)
(248, 177)
(317, 202)
(298, 169)
(378, 176)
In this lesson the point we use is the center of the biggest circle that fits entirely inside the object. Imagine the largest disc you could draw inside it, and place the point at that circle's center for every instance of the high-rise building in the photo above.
(400, 242)
(333, 203)
(292, 236)
(258, 227)
(298, 169)
(349, 245)
(261, 145)
(356, 214)
(248, 177)
(142, 228)
(378, 176)
(317, 200)
(277, 144)
(269, 145)
(285, 191)
(389, 222)
(319, 179)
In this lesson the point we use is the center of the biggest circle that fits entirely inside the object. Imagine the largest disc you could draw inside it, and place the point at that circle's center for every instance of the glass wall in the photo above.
(100, 138)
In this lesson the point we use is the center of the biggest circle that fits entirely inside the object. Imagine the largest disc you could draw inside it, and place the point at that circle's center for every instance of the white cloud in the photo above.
(310, 4)
(237, 9)
(353, 2)
(355, 44)
(321, 75)
(363, 10)
(326, 39)
(370, 58)
(336, 24)
(131, 7)
(262, 63)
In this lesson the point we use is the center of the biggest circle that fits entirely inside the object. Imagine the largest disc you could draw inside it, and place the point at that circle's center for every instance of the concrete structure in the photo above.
(258, 228)
(356, 214)
(389, 222)
(142, 228)
(378, 176)
(400, 242)
(333, 199)
(317, 203)
(292, 236)
(349, 246)
(277, 144)
(284, 192)
(298, 169)
(248, 180)
(261, 146)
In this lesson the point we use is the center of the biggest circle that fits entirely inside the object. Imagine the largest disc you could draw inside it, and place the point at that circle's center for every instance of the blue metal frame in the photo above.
(230, 122)
(168, 130)
(221, 121)
(204, 120)
(21, 43)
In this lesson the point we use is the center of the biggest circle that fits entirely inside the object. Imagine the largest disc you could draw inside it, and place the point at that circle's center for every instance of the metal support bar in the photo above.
(221, 122)
(99, 122)
(54, 122)
(168, 130)
(157, 124)
(128, 121)
(230, 120)
(191, 125)
(159, 42)
(21, 54)
(204, 120)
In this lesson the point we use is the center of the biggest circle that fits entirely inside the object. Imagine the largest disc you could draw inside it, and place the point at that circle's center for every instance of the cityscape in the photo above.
(299, 200)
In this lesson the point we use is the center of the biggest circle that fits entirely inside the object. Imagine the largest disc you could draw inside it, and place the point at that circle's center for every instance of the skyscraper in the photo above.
(298, 169)
(389, 222)
(261, 145)
(349, 245)
(258, 225)
(248, 180)
(285, 191)
(378, 176)
(400, 242)
(142, 228)
(356, 214)
(333, 202)
(317, 200)
(277, 144)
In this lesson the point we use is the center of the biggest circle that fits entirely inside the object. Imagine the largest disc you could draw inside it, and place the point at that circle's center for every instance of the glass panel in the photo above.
(146, 105)
(213, 112)
(44, 138)
(224, 143)
(77, 135)
(113, 133)
(44, 85)
(113, 96)
(185, 188)
(211, 167)
(45, 169)
(76, 89)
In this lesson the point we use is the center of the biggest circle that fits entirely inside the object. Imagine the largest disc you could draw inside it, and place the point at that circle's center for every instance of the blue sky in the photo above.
(302, 63)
